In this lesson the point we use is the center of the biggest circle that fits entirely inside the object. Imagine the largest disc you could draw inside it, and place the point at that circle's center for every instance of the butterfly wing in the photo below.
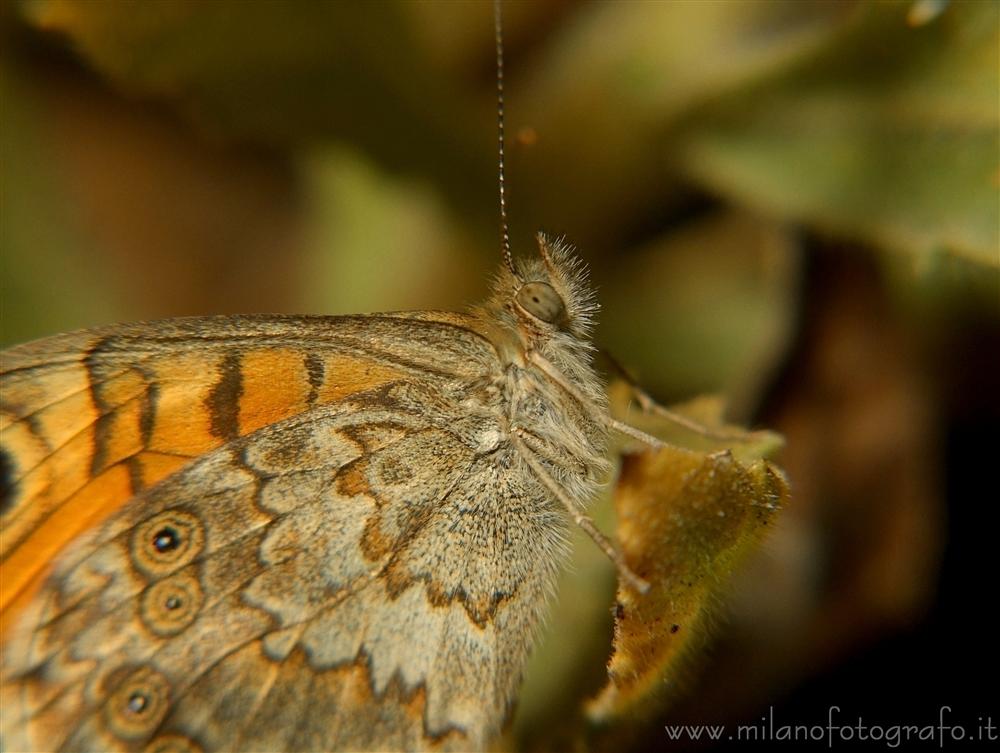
(364, 574)
(89, 419)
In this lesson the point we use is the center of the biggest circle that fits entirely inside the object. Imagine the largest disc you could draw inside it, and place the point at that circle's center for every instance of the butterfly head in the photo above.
(545, 301)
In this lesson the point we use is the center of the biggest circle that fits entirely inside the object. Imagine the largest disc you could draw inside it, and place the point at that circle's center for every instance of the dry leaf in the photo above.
(685, 519)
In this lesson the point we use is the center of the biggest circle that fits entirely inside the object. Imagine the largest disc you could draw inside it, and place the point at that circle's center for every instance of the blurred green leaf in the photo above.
(37, 251)
(605, 89)
(709, 306)
(287, 74)
(400, 247)
(891, 134)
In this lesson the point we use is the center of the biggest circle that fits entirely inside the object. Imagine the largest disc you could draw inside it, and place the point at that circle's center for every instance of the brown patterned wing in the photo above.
(89, 419)
(366, 576)
(365, 573)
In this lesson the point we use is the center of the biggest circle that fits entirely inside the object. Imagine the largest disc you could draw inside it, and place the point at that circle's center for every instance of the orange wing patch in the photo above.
(86, 424)
(23, 565)
(182, 391)
(277, 384)
(264, 400)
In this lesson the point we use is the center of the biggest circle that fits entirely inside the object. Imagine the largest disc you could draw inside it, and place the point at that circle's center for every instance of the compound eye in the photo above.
(541, 301)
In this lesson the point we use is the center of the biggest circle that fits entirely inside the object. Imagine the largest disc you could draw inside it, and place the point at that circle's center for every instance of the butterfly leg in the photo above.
(600, 415)
(650, 406)
(548, 451)
(578, 515)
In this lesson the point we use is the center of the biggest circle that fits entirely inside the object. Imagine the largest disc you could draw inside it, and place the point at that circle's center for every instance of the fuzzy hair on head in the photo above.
(557, 265)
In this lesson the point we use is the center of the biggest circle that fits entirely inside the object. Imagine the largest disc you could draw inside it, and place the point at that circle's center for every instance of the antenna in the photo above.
(504, 229)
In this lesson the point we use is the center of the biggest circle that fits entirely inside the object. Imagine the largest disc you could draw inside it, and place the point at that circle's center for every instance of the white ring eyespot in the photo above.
(541, 301)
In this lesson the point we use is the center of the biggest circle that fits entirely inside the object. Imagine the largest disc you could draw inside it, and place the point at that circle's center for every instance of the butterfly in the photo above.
(340, 532)
(295, 533)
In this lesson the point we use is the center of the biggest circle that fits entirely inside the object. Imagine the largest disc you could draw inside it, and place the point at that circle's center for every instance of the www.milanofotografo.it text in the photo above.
(841, 729)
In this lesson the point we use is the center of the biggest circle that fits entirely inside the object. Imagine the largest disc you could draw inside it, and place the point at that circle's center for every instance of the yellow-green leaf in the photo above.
(695, 425)
(685, 520)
